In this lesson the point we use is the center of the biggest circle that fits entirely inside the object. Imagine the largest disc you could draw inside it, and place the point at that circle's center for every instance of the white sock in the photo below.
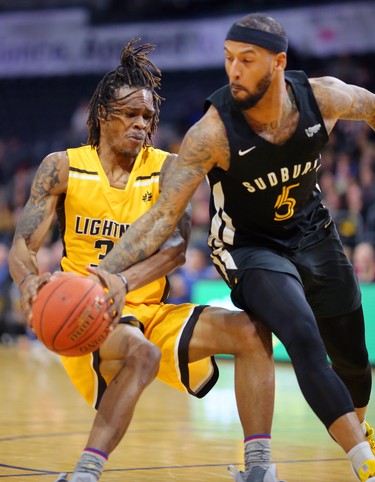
(359, 454)
(91, 462)
(258, 452)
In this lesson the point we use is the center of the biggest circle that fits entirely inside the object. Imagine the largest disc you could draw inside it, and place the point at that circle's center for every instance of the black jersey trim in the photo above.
(83, 171)
(183, 357)
(153, 174)
(102, 385)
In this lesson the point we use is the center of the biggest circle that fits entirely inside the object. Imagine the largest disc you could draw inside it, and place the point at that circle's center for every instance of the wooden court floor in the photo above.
(44, 425)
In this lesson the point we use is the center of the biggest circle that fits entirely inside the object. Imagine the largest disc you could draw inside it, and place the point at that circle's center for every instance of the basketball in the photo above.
(67, 317)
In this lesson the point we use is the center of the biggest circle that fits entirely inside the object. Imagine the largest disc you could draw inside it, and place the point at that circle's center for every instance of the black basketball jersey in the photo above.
(270, 194)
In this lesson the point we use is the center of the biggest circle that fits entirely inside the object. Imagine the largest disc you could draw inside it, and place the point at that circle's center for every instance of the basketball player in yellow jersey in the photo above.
(97, 191)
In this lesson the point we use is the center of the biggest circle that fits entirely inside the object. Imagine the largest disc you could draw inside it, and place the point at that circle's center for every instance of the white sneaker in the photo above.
(269, 476)
(76, 478)
(83, 478)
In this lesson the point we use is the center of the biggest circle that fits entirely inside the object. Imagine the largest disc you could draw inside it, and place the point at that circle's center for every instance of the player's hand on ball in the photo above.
(28, 290)
(116, 293)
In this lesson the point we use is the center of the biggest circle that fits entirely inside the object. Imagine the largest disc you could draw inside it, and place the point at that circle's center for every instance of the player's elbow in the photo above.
(178, 256)
(180, 259)
(175, 254)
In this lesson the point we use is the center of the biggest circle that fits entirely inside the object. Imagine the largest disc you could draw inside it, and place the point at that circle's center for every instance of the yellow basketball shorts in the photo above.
(170, 328)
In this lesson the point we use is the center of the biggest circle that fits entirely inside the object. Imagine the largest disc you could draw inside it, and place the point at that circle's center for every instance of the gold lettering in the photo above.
(272, 178)
(260, 183)
(307, 168)
(284, 171)
(248, 186)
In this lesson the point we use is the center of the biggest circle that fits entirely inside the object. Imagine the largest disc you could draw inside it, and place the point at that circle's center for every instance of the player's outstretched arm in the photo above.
(170, 256)
(204, 146)
(48, 184)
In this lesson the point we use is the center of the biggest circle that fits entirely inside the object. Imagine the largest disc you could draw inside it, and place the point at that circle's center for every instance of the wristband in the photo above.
(26, 276)
(124, 280)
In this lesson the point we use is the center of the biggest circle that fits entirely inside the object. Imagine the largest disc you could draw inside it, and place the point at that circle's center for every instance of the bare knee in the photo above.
(145, 359)
(129, 351)
(252, 335)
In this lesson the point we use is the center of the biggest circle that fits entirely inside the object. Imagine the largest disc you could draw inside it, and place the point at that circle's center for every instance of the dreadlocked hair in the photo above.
(135, 70)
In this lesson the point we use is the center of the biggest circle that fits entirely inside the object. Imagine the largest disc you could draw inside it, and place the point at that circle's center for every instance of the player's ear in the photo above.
(280, 61)
(102, 112)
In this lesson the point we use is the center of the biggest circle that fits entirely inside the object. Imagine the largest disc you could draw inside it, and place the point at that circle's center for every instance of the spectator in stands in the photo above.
(349, 220)
(364, 262)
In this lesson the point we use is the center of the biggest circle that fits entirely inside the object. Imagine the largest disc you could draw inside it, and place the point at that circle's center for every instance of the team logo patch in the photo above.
(311, 131)
(147, 197)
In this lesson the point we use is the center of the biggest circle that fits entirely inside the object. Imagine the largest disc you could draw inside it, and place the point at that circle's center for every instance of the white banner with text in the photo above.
(63, 42)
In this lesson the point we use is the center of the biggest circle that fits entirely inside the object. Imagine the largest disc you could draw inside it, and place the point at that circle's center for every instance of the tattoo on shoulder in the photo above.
(35, 210)
(46, 178)
(338, 100)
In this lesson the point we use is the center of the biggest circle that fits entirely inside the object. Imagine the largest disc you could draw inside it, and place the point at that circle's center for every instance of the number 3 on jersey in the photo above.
(105, 246)
(285, 202)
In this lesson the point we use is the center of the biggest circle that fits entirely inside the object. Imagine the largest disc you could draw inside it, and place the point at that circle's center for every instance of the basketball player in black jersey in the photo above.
(107, 182)
(271, 238)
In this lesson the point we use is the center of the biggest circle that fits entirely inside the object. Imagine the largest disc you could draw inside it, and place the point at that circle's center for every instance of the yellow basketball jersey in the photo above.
(94, 215)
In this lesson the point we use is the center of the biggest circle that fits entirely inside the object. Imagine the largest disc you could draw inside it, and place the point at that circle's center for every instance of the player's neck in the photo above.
(275, 117)
(116, 166)
(113, 161)
(275, 105)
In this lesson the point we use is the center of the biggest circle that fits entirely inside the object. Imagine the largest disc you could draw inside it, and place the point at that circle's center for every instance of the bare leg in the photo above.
(346, 431)
(136, 362)
(361, 413)
(219, 331)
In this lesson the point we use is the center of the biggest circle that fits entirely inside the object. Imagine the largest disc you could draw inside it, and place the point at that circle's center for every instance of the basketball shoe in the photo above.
(76, 478)
(367, 471)
(62, 478)
(370, 437)
(269, 476)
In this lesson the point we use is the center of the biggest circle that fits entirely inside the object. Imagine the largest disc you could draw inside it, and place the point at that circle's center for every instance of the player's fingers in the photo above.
(43, 279)
(26, 307)
(29, 292)
(115, 321)
(115, 297)
(116, 303)
(27, 297)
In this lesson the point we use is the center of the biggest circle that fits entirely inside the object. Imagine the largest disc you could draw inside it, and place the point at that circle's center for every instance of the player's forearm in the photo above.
(169, 257)
(141, 240)
(157, 266)
(22, 261)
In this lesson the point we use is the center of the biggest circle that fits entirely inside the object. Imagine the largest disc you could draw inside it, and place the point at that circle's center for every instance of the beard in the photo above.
(252, 99)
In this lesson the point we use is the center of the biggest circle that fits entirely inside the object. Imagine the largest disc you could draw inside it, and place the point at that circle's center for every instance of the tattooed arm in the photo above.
(204, 146)
(338, 100)
(170, 256)
(49, 183)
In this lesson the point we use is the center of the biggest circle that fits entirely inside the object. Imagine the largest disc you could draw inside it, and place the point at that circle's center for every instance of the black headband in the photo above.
(267, 40)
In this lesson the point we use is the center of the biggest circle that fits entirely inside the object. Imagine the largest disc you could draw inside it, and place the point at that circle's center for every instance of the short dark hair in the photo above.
(135, 70)
(263, 22)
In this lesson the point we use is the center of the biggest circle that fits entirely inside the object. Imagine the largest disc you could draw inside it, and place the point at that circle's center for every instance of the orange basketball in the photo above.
(67, 317)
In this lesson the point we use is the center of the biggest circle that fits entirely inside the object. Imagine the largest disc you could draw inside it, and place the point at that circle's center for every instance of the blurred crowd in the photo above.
(346, 178)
